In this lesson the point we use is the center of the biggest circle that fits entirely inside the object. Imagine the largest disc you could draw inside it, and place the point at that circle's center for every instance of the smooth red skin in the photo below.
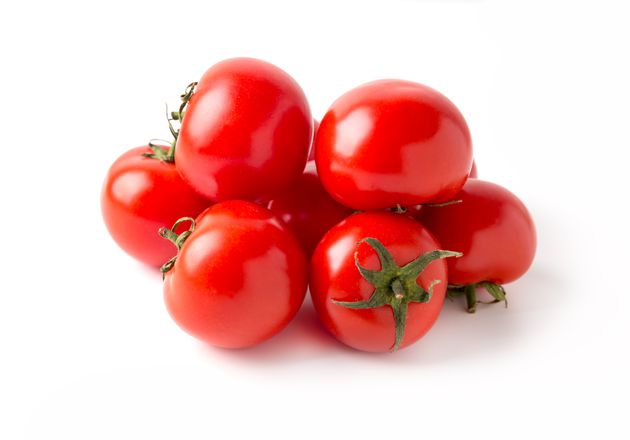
(308, 210)
(393, 142)
(492, 228)
(334, 276)
(246, 133)
(311, 153)
(141, 195)
(239, 278)
(473, 171)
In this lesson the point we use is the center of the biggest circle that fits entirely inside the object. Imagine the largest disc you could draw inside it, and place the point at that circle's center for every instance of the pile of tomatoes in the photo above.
(376, 210)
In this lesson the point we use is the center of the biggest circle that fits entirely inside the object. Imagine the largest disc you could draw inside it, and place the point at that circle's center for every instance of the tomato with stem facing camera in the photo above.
(378, 281)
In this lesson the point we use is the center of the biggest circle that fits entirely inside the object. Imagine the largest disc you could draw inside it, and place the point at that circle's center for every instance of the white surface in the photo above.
(88, 349)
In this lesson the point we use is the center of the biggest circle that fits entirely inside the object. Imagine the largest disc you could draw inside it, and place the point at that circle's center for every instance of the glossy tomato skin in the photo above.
(308, 210)
(239, 278)
(393, 142)
(491, 227)
(334, 276)
(141, 195)
(246, 131)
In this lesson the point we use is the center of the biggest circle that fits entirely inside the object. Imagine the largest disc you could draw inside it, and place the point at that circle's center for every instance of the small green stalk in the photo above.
(177, 239)
(166, 151)
(469, 291)
(395, 286)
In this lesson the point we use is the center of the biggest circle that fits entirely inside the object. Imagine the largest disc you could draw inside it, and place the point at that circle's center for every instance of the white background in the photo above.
(88, 350)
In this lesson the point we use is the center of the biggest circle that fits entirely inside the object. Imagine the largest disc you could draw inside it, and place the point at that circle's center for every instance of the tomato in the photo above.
(377, 281)
(311, 153)
(393, 142)
(141, 195)
(308, 210)
(246, 132)
(494, 231)
(239, 277)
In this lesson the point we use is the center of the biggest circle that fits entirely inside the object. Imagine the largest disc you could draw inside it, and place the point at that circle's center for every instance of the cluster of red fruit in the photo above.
(381, 198)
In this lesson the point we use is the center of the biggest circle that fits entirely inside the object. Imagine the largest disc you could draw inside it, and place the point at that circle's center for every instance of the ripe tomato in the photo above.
(246, 132)
(393, 142)
(311, 153)
(239, 277)
(141, 195)
(308, 210)
(374, 282)
(494, 231)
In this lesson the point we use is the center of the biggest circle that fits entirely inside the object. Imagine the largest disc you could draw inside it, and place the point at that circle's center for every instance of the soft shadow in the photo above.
(304, 339)
(534, 304)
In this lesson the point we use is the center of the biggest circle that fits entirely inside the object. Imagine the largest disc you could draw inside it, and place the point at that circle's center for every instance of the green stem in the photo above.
(177, 239)
(165, 153)
(471, 298)
(168, 155)
(398, 289)
(469, 291)
(395, 286)
(169, 235)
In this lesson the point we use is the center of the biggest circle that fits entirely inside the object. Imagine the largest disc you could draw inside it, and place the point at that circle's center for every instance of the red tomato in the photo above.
(473, 171)
(239, 277)
(141, 195)
(393, 142)
(311, 154)
(246, 132)
(391, 295)
(494, 231)
(308, 210)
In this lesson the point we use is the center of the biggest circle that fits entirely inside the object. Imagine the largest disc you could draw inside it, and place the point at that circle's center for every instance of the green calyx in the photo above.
(177, 239)
(161, 150)
(166, 151)
(469, 291)
(396, 286)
